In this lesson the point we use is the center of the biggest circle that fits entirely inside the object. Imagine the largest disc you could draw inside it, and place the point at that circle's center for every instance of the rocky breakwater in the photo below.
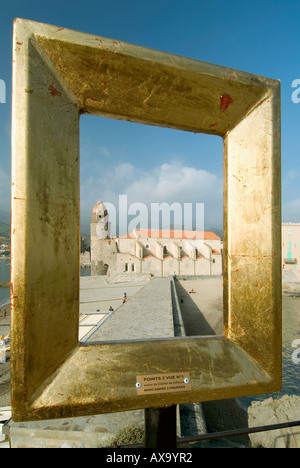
(275, 411)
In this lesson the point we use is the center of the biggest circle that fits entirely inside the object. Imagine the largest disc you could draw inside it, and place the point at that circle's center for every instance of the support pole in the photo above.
(160, 427)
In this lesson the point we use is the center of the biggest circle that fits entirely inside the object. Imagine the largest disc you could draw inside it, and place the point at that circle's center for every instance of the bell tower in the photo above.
(100, 225)
(103, 248)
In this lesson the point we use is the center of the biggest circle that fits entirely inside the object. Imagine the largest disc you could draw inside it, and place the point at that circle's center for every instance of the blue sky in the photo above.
(145, 162)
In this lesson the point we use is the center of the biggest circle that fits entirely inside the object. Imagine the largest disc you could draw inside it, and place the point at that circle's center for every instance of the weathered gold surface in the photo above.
(58, 74)
(102, 378)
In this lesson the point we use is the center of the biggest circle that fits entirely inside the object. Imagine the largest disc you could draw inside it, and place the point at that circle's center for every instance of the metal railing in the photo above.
(225, 434)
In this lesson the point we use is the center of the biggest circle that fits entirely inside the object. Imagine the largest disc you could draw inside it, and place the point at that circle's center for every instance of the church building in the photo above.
(151, 251)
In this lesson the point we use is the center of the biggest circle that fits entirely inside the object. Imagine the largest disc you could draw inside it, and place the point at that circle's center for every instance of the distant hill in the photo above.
(5, 216)
(4, 230)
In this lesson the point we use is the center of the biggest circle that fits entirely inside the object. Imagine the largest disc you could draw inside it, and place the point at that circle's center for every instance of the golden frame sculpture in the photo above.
(59, 74)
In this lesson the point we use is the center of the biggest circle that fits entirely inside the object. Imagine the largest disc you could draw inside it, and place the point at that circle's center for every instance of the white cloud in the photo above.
(169, 182)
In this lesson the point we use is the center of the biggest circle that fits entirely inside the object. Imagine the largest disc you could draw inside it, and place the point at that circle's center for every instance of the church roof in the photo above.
(173, 234)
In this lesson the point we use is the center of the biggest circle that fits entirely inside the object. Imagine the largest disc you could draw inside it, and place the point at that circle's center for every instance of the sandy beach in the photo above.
(201, 303)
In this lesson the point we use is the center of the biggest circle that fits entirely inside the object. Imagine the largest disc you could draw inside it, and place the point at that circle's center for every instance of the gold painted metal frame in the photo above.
(59, 74)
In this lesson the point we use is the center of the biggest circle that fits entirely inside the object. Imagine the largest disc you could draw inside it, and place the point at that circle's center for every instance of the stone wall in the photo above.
(103, 256)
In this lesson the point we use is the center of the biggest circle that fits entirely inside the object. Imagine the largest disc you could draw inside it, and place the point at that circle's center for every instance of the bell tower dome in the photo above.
(100, 225)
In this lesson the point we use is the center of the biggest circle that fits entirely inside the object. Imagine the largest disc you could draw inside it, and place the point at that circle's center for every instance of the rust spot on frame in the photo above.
(225, 102)
(54, 91)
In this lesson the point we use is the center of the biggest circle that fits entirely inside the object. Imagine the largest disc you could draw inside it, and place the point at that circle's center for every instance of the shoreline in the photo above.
(5, 399)
(5, 304)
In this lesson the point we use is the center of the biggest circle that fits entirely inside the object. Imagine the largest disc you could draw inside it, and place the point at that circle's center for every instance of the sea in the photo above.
(291, 332)
(4, 276)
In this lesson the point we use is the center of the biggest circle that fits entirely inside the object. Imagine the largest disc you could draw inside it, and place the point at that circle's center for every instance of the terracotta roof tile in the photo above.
(173, 234)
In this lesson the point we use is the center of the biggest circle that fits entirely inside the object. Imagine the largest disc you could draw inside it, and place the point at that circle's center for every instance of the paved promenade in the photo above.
(147, 313)
(97, 293)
